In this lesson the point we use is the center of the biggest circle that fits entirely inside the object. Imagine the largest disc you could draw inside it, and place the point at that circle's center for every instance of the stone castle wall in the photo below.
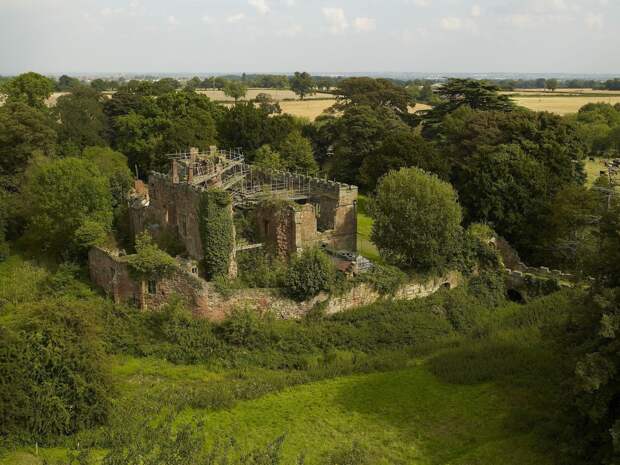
(111, 273)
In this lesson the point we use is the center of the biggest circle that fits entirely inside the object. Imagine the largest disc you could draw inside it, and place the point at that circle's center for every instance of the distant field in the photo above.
(560, 104)
(277, 94)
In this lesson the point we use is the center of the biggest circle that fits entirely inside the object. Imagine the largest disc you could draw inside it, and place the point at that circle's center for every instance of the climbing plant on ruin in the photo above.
(216, 231)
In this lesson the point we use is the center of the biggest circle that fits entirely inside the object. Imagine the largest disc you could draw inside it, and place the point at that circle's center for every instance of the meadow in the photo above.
(444, 380)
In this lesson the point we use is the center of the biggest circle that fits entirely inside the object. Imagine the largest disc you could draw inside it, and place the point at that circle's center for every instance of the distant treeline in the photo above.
(542, 83)
(321, 83)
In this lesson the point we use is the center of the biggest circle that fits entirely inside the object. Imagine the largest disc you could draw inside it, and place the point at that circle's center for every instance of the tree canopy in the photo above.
(417, 220)
(302, 84)
(67, 207)
(29, 88)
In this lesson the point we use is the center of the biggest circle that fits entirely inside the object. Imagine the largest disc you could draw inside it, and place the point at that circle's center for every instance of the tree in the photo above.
(571, 228)
(508, 166)
(268, 158)
(309, 274)
(354, 136)
(302, 84)
(29, 88)
(551, 84)
(23, 131)
(402, 148)
(245, 126)
(67, 207)
(164, 86)
(235, 89)
(417, 220)
(296, 154)
(155, 127)
(67, 83)
(268, 103)
(82, 121)
(373, 93)
(112, 165)
(193, 84)
(456, 93)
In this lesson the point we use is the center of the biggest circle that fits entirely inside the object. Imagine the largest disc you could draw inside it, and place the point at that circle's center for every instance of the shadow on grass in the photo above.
(469, 404)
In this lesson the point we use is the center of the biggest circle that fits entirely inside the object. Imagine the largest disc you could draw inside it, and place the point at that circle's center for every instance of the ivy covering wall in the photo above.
(216, 231)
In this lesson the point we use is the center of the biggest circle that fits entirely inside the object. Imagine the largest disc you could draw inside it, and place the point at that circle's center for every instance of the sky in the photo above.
(331, 36)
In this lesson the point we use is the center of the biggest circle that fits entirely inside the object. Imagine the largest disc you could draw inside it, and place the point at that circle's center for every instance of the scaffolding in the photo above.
(248, 184)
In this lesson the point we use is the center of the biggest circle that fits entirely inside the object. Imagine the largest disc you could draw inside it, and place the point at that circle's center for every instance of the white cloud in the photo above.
(336, 20)
(292, 31)
(111, 11)
(365, 24)
(235, 18)
(476, 11)
(172, 21)
(451, 24)
(260, 5)
(593, 21)
(207, 19)
(421, 3)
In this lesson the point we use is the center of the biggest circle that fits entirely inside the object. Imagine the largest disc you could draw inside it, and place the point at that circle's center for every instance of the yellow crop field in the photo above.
(562, 105)
(276, 94)
(311, 109)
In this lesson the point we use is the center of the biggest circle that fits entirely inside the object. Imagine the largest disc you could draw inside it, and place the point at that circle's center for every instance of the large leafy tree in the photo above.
(67, 207)
(296, 154)
(456, 93)
(508, 166)
(417, 220)
(401, 148)
(244, 126)
(235, 90)
(29, 88)
(146, 129)
(355, 135)
(82, 120)
(112, 165)
(302, 84)
(23, 131)
(373, 93)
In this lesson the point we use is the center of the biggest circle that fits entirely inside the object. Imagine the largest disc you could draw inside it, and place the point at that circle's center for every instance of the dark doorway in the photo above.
(515, 296)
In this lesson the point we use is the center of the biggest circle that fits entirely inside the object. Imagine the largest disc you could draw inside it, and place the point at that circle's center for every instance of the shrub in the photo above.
(259, 269)
(244, 328)
(52, 369)
(385, 279)
(309, 274)
(149, 260)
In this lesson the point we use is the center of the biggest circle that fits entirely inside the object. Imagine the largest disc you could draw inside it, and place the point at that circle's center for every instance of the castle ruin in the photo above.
(290, 212)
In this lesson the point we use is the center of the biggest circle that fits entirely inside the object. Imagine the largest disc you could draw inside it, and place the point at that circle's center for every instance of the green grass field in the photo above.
(403, 417)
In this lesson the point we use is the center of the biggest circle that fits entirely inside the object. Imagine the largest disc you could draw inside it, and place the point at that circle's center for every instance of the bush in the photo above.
(259, 269)
(52, 367)
(149, 260)
(385, 279)
(309, 274)
(244, 328)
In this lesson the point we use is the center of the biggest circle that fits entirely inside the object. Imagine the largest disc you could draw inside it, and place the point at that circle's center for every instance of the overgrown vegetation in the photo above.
(216, 231)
